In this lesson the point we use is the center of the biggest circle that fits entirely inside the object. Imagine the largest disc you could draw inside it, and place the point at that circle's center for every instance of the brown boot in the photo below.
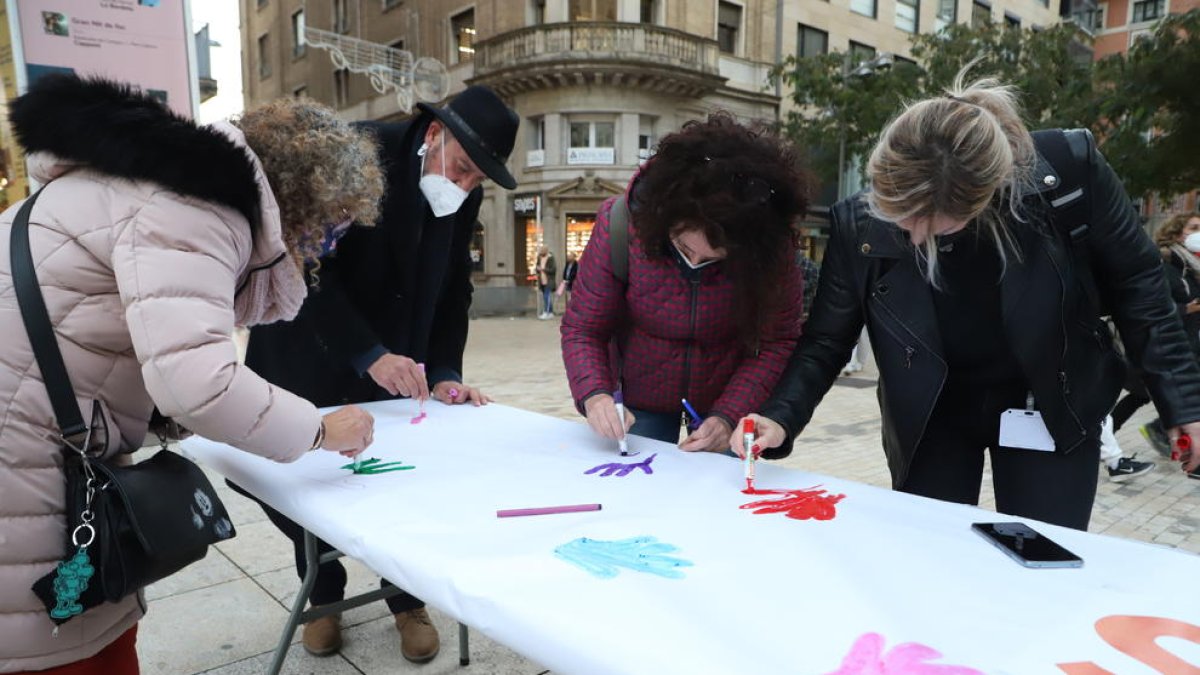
(323, 636)
(418, 638)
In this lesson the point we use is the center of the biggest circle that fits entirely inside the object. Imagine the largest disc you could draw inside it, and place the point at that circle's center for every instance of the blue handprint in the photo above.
(623, 469)
(640, 554)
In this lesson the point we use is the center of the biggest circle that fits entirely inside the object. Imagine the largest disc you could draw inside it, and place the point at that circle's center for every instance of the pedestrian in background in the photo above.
(547, 272)
(957, 261)
(570, 271)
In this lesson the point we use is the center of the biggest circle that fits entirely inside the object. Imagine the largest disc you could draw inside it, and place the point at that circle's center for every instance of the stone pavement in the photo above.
(223, 615)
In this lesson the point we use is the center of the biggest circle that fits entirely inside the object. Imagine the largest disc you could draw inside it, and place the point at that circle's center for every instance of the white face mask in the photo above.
(1192, 242)
(689, 263)
(443, 195)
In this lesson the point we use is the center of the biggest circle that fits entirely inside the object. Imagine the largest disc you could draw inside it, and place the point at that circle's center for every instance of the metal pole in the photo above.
(779, 51)
(841, 165)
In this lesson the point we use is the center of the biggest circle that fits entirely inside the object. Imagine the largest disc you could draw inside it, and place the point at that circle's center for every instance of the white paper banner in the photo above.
(764, 593)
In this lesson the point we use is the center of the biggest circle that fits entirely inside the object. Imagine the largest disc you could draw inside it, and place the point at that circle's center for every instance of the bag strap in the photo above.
(1072, 214)
(39, 328)
(618, 238)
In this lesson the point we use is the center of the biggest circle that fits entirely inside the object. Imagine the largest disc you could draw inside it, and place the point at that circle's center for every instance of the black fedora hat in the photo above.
(484, 126)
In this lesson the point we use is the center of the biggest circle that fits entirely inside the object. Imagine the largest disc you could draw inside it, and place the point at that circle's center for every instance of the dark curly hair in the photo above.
(744, 188)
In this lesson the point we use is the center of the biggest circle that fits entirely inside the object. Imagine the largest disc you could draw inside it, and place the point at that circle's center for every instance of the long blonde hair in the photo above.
(951, 156)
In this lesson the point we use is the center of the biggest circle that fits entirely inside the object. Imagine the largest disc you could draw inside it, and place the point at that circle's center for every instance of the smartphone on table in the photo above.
(1026, 545)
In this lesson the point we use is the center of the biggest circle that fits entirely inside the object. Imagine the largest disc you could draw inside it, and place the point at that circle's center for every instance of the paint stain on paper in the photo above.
(621, 469)
(805, 504)
(604, 559)
(418, 419)
(867, 657)
(370, 467)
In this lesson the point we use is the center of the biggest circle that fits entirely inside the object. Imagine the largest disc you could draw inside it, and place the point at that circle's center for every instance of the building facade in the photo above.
(595, 82)
(1115, 25)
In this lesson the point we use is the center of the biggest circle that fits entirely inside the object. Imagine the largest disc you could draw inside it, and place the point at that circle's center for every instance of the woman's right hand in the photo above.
(348, 430)
(767, 434)
(603, 418)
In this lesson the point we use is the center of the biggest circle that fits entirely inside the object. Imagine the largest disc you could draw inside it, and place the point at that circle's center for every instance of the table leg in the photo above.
(464, 649)
(310, 580)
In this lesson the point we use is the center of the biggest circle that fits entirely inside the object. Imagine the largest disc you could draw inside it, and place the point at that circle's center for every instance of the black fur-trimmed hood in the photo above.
(111, 128)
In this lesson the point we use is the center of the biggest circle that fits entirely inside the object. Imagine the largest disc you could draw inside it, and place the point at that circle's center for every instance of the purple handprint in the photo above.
(620, 469)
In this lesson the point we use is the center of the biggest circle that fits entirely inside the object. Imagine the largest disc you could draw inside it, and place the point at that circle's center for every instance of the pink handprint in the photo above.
(866, 657)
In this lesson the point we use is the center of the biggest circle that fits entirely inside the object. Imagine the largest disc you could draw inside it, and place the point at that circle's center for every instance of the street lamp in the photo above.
(863, 70)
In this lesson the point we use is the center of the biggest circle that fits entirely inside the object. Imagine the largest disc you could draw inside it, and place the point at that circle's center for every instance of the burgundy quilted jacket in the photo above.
(679, 338)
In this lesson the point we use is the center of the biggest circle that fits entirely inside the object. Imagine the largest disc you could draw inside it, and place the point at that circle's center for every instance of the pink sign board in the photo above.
(142, 42)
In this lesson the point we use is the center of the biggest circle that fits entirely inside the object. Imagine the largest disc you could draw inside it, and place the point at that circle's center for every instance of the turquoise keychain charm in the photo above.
(74, 573)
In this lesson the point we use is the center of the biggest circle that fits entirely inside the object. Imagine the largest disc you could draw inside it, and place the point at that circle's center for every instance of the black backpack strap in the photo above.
(618, 238)
(1070, 202)
(39, 328)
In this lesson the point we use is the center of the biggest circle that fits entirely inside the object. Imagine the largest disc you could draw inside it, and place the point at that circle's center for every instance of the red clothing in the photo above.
(679, 338)
(118, 658)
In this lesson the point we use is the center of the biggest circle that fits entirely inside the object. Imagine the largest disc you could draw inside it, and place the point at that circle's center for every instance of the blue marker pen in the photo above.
(695, 415)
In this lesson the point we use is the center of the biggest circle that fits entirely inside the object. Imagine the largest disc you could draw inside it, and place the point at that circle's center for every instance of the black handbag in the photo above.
(127, 526)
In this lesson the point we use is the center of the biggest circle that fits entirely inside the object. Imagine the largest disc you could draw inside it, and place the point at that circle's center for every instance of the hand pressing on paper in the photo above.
(602, 416)
(348, 431)
(767, 434)
(711, 436)
(400, 376)
(454, 393)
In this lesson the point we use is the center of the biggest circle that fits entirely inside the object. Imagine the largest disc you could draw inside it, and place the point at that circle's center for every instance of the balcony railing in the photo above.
(594, 41)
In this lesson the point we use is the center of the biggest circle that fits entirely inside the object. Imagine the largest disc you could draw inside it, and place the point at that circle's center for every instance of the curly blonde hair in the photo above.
(1168, 233)
(321, 170)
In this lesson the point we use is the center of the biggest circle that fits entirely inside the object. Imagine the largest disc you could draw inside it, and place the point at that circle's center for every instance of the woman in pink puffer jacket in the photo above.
(152, 238)
(710, 308)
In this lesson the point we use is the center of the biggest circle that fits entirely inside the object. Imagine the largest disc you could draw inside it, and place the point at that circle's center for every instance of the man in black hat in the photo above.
(388, 318)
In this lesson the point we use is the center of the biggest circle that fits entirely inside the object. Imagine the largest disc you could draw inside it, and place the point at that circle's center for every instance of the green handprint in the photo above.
(373, 466)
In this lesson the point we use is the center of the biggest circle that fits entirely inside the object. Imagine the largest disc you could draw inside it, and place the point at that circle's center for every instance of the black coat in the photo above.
(1065, 351)
(1185, 288)
(404, 284)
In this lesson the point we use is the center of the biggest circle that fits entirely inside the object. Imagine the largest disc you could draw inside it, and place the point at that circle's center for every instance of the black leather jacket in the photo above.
(870, 275)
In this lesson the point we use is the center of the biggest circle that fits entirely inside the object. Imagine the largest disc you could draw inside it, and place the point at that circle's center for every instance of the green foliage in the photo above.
(834, 96)
(1154, 87)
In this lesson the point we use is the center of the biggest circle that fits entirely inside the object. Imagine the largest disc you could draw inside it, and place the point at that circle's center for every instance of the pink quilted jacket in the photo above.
(139, 283)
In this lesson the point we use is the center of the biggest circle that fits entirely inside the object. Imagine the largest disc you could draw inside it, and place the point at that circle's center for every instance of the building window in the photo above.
(906, 15)
(341, 87)
(860, 52)
(1149, 10)
(1091, 20)
(298, 34)
(729, 23)
(536, 155)
(1012, 21)
(264, 56)
(811, 42)
(592, 10)
(981, 14)
(649, 13)
(645, 137)
(864, 7)
(397, 44)
(300, 92)
(391, 4)
(462, 25)
(538, 12)
(947, 13)
(341, 17)
(262, 3)
(592, 143)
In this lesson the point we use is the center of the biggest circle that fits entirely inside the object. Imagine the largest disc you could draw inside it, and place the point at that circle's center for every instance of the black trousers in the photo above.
(948, 464)
(330, 585)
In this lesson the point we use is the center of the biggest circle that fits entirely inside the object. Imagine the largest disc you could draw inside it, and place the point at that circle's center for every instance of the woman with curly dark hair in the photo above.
(707, 308)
